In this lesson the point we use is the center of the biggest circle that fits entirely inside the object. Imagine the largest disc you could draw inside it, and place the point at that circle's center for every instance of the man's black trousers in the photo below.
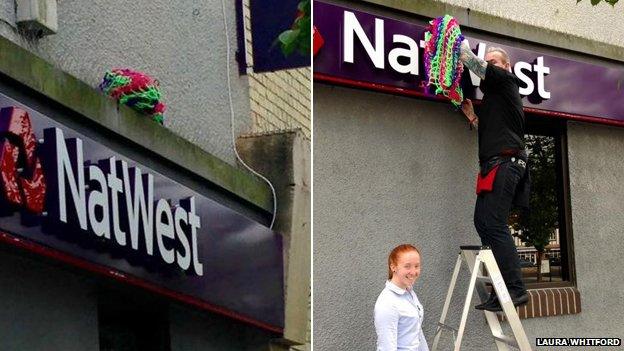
(490, 219)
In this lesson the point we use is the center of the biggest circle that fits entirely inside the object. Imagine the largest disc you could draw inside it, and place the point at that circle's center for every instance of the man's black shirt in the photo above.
(501, 119)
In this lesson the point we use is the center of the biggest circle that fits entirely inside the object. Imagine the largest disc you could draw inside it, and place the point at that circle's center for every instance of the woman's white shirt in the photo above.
(398, 320)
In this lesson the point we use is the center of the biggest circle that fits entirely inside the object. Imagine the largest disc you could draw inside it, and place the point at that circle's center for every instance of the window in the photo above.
(544, 238)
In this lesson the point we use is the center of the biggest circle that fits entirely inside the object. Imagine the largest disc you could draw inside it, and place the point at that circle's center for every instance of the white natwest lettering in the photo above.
(376, 52)
(98, 199)
(100, 205)
(65, 166)
(164, 229)
(115, 184)
(412, 55)
(542, 71)
(138, 203)
(519, 69)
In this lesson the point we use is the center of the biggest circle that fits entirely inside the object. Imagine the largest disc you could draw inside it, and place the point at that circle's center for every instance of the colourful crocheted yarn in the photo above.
(442, 65)
(136, 90)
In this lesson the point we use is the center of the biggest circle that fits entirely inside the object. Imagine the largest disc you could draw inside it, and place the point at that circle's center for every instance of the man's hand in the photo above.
(468, 110)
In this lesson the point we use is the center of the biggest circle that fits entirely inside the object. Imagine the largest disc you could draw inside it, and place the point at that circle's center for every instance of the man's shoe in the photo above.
(521, 300)
(517, 301)
(489, 302)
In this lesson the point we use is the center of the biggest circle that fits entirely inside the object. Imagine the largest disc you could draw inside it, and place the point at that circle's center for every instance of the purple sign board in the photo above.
(64, 192)
(380, 53)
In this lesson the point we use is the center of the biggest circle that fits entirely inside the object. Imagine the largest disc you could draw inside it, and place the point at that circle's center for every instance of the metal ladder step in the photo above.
(507, 340)
(484, 279)
(447, 327)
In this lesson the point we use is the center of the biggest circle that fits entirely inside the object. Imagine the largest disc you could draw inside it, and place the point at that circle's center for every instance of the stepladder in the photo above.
(479, 259)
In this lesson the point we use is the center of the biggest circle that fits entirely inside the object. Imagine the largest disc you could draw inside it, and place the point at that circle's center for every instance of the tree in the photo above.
(297, 38)
(596, 2)
(537, 226)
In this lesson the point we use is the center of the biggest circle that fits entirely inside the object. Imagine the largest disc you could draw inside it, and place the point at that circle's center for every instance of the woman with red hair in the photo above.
(398, 313)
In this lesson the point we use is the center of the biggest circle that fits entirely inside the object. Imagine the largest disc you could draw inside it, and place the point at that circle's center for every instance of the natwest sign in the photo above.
(380, 53)
(411, 54)
(99, 197)
(65, 193)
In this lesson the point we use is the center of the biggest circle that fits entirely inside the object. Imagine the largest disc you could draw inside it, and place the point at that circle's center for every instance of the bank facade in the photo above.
(396, 164)
(120, 233)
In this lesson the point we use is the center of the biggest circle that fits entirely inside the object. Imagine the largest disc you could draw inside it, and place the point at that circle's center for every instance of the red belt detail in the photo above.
(486, 183)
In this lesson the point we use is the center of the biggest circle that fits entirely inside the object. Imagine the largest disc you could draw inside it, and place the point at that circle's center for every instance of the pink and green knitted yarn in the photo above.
(136, 90)
(443, 68)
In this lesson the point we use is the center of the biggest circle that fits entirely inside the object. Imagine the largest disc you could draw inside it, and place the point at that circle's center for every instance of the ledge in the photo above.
(546, 302)
(40, 76)
(490, 23)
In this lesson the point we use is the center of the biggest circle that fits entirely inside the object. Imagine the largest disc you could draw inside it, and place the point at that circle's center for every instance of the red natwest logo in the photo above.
(22, 182)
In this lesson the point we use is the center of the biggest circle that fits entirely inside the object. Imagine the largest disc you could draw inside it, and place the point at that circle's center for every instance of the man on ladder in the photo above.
(503, 176)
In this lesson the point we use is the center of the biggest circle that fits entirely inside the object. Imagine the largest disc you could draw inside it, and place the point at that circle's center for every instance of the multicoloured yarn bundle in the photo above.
(136, 90)
(442, 65)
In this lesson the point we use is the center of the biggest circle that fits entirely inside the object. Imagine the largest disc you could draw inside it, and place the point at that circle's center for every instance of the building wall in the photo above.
(279, 100)
(182, 44)
(384, 176)
(597, 192)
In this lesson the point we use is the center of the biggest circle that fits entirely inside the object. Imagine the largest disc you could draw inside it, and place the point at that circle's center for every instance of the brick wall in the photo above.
(278, 100)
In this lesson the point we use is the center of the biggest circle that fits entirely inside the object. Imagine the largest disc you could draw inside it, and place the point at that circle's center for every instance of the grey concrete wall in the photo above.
(390, 169)
(180, 43)
(387, 170)
(597, 191)
(45, 308)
